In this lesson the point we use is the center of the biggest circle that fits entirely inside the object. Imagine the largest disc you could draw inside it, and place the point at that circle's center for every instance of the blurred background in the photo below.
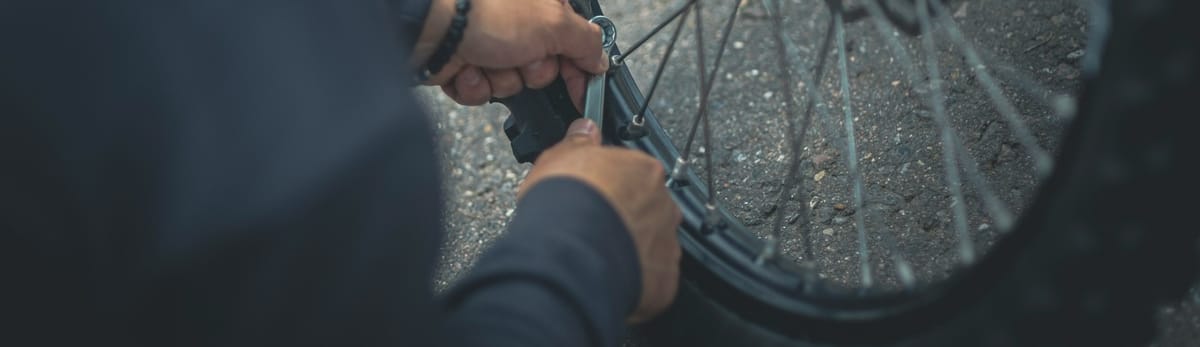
(1039, 41)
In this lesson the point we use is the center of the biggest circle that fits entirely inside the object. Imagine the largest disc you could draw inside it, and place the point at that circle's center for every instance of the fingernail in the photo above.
(472, 77)
(535, 65)
(582, 126)
(604, 58)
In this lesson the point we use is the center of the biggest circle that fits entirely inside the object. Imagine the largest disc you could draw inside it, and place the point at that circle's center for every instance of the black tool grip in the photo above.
(538, 118)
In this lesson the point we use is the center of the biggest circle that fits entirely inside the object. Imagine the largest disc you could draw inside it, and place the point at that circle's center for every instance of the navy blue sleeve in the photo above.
(238, 173)
(410, 18)
(213, 173)
(566, 274)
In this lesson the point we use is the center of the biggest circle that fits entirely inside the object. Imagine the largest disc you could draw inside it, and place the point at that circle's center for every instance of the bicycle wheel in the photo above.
(1070, 264)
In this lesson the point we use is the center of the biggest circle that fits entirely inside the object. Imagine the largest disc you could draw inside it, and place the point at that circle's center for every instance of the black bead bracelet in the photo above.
(449, 43)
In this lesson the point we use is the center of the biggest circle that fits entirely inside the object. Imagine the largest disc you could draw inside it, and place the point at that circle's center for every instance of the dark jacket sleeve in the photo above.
(566, 274)
(256, 173)
(213, 173)
(410, 17)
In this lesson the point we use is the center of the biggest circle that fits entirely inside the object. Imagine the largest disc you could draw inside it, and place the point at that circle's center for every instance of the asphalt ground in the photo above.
(898, 145)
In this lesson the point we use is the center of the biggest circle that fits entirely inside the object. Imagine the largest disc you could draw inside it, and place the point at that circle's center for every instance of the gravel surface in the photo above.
(898, 144)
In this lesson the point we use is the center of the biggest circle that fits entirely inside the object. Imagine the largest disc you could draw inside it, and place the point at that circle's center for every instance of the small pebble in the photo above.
(738, 44)
(839, 206)
(827, 231)
(820, 159)
(819, 176)
(1075, 55)
(962, 10)
(768, 210)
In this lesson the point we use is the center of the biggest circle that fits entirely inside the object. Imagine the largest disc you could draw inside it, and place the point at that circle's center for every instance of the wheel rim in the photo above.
(730, 258)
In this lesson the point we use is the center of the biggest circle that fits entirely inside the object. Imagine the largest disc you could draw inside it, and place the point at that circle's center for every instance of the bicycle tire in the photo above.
(1075, 264)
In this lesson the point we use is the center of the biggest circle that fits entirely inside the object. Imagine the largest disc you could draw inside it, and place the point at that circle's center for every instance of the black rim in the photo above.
(780, 294)
(1048, 277)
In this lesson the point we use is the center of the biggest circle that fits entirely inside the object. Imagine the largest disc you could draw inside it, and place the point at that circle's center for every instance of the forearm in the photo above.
(567, 265)
(437, 21)
(421, 24)
(517, 312)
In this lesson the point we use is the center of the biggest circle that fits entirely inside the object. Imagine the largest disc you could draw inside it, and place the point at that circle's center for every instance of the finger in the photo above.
(450, 90)
(659, 295)
(448, 72)
(580, 41)
(504, 82)
(582, 132)
(576, 81)
(473, 88)
(540, 73)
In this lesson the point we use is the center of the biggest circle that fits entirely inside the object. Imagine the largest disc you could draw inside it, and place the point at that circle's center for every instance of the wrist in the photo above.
(437, 22)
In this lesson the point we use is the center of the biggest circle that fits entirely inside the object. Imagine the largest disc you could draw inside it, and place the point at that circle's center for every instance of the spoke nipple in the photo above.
(905, 273)
(616, 60)
(677, 173)
(711, 217)
(1065, 106)
(966, 254)
(635, 129)
(769, 252)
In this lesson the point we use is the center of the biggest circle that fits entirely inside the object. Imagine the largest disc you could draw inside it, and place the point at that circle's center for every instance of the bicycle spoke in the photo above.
(851, 156)
(1063, 104)
(996, 209)
(725, 34)
(677, 173)
(950, 161)
(904, 271)
(706, 83)
(700, 111)
(1028, 84)
(712, 219)
(638, 117)
(1041, 158)
(795, 139)
(680, 12)
(706, 87)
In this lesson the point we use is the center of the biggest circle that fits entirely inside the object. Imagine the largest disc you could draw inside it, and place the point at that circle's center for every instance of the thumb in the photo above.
(581, 42)
(582, 132)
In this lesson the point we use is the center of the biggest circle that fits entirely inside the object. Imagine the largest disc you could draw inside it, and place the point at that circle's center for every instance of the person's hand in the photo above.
(633, 183)
(510, 45)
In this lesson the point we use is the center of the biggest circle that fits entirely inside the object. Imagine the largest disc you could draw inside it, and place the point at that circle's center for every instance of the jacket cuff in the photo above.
(566, 237)
(410, 19)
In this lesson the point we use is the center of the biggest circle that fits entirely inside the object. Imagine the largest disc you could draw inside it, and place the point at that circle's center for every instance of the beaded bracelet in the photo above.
(446, 48)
